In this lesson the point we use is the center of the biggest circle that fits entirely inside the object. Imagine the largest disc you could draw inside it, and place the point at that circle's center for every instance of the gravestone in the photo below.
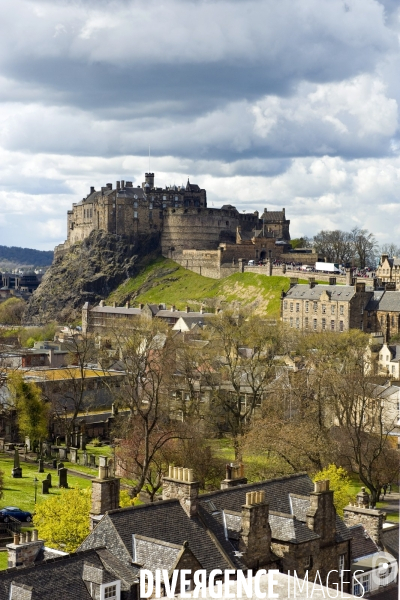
(83, 441)
(75, 439)
(57, 441)
(92, 459)
(55, 463)
(17, 471)
(49, 479)
(60, 466)
(85, 459)
(62, 478)
(62, 453)
(45, 486)
(47, 449)
(40, 465)
(27, 443)
(73, 455)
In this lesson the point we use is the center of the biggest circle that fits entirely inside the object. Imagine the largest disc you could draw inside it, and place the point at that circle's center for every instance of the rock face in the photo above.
(87, 272)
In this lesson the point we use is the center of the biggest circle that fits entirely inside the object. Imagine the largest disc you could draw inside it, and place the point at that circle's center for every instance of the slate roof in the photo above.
(61, 577)
(288, 529)
(362, 544)
(121, 310)
(273, 215)
(165, 521)
(153, 554)
(385, 301)
(301, 291)
(391, 540)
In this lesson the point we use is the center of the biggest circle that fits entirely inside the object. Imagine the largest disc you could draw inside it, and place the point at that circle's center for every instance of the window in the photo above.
(151, 206)
(315, 306)
(291, 307)
(297, 306)
(164, 197)
(323, 324)
(314, 324)
(285, 305)
(341, 562)
(135, 204)
(365, 583)
(332, 309)
(291, 321)
(341, 309)
(297, 323)
(110, 591)
(307, 306)
(392, 321)
(306, 322)
(135, 214)
(332, 325)
(324, 308)
(341, 328)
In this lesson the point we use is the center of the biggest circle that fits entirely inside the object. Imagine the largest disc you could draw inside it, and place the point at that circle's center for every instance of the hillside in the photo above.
(165, 281)
(25, 256)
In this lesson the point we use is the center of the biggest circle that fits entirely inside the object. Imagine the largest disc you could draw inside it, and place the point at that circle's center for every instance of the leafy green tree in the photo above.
(11, 311)
(339, 483)
(63, 521)
(32, 411)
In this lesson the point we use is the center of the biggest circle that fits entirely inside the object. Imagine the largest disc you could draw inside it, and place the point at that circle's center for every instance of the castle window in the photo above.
(164, 205)
(307, 306)
(306, 322)
(324, 308)
(341, 309)
(314, 324)
(150, 214)
(333, 309)
(297, 306)
(291, 321)
(164, 197)
(151, 206)
(135, 214)
(333, 325)
(291, 307)
(135, 205)
(323, 324)
(315, 306)
(341, 326)
(392, 321)
(285, 305)
(176, 198)
(297, 323)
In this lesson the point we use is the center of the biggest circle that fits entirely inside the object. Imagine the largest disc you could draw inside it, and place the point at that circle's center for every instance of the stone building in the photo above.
(331, 307)
(316, 307)
(389, 270)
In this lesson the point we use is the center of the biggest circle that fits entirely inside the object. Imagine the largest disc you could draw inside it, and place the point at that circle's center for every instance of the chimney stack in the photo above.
(91, 189)
(105, 493)
(321, 516)
(23, 552)
(332, 280)
(118, 185)
(293, 281)
(311, 282)
(180, 484)
(188, 309)
(255, 533)
(234, 476)
(349, 277)
(371, 518)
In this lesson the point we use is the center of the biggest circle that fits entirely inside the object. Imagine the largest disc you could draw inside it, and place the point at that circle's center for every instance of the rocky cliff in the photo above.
(88, 271)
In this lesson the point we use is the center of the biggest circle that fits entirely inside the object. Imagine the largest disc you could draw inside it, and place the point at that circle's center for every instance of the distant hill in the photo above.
(25, 256)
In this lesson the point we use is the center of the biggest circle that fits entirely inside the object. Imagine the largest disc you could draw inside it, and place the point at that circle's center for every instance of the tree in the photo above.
(241, 367)
(390, 249)
(72, 391)
(63, 521)
(335, 245)
(339, 483)
(32, 411)
(147, 352)
(364, 246)
(11, 311)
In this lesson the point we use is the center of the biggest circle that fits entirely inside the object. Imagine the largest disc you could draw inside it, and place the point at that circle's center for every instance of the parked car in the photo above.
(17, 513)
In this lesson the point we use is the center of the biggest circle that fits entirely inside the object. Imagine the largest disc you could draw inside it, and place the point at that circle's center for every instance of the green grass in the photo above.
(3, 560)
(21, 492)
(165, 281)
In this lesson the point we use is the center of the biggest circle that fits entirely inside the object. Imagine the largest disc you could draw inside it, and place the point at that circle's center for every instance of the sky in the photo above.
(264, 103)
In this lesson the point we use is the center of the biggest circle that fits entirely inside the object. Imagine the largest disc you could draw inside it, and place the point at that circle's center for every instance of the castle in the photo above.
(209, 241)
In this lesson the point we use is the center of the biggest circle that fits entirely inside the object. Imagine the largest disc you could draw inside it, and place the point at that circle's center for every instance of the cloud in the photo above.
(292, 103)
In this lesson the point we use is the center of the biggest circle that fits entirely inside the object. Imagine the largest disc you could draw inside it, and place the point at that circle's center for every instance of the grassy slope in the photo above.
(165, 281)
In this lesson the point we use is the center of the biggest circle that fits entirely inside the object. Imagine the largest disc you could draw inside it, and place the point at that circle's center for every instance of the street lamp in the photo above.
(35, 482)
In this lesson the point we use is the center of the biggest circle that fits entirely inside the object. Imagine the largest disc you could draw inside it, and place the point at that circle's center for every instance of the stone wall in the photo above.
(371, 519)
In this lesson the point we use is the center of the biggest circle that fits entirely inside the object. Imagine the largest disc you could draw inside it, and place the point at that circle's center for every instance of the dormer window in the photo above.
(110, 591)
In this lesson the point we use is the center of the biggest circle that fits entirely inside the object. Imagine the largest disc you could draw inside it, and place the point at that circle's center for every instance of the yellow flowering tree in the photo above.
(63, 521)
(339, 483)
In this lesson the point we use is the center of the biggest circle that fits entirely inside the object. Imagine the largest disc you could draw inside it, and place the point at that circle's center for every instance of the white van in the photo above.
(251, 263)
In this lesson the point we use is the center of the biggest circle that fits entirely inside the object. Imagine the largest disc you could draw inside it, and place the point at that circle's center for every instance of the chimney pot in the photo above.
(141, 306)
(118, 185)
(16, 539)
(171, 471)
(187, 309)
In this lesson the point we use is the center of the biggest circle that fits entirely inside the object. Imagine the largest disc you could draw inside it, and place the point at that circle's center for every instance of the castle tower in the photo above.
(149, 179)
